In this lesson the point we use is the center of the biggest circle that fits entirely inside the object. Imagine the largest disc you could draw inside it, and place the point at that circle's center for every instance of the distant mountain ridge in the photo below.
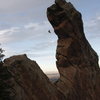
(53, 76)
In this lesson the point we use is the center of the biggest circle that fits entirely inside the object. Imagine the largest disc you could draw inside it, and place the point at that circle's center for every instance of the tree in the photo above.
(4, 77)
(1, 54)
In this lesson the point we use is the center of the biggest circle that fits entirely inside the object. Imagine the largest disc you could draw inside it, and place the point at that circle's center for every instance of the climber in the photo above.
(49, 31)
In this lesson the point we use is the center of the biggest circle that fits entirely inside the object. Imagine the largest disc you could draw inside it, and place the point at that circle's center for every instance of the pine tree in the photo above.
(5, 87)
(1, 54)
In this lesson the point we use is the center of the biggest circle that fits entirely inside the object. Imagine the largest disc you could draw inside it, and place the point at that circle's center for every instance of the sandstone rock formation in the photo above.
(27, 81)
(77, 63)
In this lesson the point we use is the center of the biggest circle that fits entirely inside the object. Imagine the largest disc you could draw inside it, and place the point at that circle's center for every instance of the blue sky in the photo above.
(24, 29)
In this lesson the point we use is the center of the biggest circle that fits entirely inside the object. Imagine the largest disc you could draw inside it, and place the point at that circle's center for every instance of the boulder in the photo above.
(27, 81)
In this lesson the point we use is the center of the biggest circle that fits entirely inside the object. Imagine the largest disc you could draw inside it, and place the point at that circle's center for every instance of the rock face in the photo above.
(26, 81)
(77, 62)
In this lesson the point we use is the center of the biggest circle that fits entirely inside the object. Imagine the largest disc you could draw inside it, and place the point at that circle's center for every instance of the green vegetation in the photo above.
(5, 76)
(1, 54)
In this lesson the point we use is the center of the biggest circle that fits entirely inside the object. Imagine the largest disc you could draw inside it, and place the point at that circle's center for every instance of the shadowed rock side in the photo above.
(22, 79)
(77, 62)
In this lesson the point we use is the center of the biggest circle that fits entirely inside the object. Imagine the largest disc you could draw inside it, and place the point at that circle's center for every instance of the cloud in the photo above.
(21, 12)
(41, 47)
(93, 23)
(40, 55)
(32, 39)
(20, 5)
(31, 26)
(92, 27)
(10, 30)
(5, 35)
(29, 31)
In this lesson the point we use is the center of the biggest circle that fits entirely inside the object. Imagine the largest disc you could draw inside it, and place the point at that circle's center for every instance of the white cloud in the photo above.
(26, 32)
(92, 23)
(20, 5)
(5, 35)
(98, 18)
(92, 27)
(32, 39)
(6, 31)
(41, 47)
(16, 13)
(31, 26)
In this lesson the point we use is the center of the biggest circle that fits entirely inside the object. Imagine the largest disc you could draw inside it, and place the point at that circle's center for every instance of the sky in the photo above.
(24, 29)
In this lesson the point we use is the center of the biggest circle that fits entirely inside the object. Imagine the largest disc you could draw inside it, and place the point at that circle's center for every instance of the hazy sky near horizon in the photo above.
(24, 29)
